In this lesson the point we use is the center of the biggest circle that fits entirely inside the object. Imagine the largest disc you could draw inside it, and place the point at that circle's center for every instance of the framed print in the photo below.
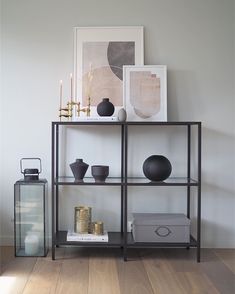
(100, 53)
(145, 92)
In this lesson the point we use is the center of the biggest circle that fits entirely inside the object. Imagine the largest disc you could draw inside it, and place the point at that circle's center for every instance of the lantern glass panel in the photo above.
(31, 236)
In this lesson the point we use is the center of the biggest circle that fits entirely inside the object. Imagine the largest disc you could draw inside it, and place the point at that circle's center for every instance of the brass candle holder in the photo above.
(69, 112)
(98, 228)
(73, 109)
(82, 219)
(86, 109)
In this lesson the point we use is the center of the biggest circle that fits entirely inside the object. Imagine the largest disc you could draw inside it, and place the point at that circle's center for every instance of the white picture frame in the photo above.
(101, 81)
(145, 92)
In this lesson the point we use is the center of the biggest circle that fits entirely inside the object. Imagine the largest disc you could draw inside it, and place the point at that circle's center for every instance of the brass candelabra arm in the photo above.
(64, 109)
(65, 115)
(88, 113)
(86, 109)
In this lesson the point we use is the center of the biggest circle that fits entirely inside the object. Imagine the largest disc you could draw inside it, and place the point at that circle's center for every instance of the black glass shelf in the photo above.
(115, 240)
(131, 181)
(174, 181)
(110, 181)
(132, 244)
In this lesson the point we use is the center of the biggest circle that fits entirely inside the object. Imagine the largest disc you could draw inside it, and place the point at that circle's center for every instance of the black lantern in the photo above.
(31, 211)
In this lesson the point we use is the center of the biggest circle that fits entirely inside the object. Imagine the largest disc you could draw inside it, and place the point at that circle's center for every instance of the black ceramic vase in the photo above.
(79, 169)
(105, 108)
(157, 168)
(100, 172)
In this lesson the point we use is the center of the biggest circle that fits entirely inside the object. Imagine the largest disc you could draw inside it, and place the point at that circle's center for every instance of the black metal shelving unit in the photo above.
(124, 239)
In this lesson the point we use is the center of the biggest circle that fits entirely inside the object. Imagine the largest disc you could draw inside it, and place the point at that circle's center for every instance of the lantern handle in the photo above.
(30, 158)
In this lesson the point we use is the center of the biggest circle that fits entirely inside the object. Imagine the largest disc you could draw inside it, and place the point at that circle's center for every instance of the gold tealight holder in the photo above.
(82, 219)
(98, 228)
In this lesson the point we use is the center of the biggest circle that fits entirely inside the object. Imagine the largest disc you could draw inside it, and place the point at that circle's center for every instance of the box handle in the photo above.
(163, 231)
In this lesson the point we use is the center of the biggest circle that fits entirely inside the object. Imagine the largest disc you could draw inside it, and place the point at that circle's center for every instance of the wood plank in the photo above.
(162, 278)
(16, 274)
(175, 270)
(43, 279)
(195, 283)
(7, 254)
(219, 274)
(228, 257)
(74, 274)
(133, 278)
(103, 274)
(181, 259)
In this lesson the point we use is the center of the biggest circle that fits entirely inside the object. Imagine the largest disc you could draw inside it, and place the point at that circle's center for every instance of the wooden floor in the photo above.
(99, 271)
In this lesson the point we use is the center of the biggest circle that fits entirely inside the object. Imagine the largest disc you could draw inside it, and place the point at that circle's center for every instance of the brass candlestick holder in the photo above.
(66, 111)
(69, 112)
(86, 110)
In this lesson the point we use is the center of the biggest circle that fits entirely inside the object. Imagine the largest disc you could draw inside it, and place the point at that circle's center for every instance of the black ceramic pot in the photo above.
(105, 108)
(79, 169)
(100, 172)
(157, 168)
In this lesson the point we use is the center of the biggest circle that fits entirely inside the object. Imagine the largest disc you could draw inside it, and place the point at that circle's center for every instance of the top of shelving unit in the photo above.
(154, 123)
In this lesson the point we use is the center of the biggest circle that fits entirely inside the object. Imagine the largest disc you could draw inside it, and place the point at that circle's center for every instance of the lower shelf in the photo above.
(116, 240)
(132, 244)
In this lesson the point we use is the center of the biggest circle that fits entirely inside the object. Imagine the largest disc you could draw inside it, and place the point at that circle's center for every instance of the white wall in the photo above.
(196, 41)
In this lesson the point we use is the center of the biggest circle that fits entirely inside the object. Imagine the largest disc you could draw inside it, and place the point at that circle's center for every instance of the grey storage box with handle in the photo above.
(161, 227)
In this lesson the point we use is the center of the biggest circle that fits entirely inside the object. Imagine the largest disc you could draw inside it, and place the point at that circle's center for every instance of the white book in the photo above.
(96, 118)
(71, 236)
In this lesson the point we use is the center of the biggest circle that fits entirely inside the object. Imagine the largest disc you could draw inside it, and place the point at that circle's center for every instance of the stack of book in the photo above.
(96, 118)
(76, 237)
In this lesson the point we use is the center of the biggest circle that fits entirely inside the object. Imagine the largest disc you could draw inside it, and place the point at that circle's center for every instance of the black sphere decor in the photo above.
(105, 108)
(157, 168)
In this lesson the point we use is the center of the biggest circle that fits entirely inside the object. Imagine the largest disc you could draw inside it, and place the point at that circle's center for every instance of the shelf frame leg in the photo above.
(188, 171)
(53, 188)
(199, 194)
(122, 175)
(57, 174)
(125, 210)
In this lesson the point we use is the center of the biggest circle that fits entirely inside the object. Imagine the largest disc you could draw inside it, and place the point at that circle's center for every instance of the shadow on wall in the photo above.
(218, 188)
(212, 233)
(218, 158)
(183, 91)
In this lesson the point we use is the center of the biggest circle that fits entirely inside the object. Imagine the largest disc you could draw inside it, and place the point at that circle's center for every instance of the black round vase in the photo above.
(105, 108)
(157, 168)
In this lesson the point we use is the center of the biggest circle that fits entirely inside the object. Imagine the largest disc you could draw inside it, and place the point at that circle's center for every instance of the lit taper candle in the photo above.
(71, 87)
(61, 86)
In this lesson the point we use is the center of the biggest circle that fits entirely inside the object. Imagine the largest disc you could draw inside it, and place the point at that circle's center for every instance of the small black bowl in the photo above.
(100, 172)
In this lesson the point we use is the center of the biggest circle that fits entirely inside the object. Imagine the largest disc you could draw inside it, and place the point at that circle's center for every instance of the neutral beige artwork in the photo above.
(145, 93)
(102, 70)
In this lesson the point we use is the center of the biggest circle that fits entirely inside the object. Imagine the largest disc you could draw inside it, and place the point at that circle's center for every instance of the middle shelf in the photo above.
(131, 181)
